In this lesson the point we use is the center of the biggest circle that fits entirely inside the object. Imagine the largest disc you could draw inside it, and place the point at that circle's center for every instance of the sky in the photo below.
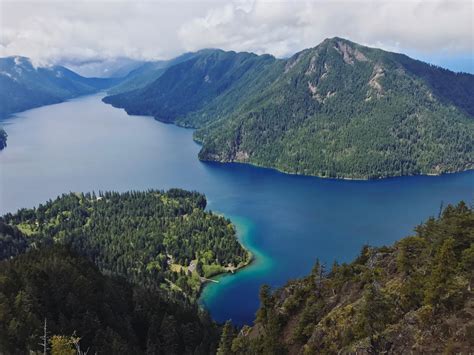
(80, 31)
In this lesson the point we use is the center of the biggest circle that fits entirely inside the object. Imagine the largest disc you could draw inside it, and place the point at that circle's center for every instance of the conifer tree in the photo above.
(441, 281)
(225, 344)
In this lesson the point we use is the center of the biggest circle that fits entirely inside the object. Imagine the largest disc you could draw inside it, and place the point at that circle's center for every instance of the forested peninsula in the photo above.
(163, 240)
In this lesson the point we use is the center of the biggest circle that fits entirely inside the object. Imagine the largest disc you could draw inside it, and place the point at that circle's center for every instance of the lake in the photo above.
(287, 221)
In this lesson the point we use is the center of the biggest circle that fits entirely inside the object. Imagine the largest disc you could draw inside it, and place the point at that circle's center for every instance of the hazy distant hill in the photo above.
(146, 73)
(337, 110)
(191, 85)
(24, 86)
(105, 68)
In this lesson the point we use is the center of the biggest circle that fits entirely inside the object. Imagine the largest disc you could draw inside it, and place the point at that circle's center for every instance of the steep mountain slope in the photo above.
(24, 87)
(146, 74)
(107, 315)
(413, 297)
(336, 110)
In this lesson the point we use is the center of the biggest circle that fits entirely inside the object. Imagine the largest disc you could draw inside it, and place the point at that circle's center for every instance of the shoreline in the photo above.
(250, 260)
(242, 235)
(333, 178)
(362, 179)
(213, 295)
(240, 267)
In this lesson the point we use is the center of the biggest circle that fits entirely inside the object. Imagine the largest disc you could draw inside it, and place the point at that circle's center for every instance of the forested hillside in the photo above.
(189, 86)
(336, 110)
(413, 297)
(24, 86)
(12, 241)
(159, 240)
(102, 314)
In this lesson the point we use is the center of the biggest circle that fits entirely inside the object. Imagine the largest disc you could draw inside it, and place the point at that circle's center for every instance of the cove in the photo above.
(286, 221)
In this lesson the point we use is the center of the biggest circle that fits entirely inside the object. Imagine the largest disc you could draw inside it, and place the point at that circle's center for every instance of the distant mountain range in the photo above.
(24, 86)
(147, 73)
(336, 110)
(103, 68)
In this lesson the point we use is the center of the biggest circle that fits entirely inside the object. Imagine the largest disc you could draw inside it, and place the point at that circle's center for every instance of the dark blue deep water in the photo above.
(286, 221)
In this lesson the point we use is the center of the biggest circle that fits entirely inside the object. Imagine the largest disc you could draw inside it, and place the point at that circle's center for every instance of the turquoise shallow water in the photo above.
(261, 265)
(287, 221)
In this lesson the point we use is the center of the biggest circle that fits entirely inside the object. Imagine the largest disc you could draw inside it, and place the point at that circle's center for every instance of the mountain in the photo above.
(336, 110)
(24, 86)
(100, 313)
(413, 297)
(146, 73)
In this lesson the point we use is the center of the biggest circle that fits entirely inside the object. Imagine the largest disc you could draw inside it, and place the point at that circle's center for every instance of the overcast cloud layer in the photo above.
(75, 31)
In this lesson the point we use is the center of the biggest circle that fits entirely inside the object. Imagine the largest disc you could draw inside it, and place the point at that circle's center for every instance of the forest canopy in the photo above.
(55, 288)
(162, 240)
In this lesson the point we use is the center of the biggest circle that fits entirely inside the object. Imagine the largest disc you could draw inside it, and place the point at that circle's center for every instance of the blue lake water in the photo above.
(286, 221)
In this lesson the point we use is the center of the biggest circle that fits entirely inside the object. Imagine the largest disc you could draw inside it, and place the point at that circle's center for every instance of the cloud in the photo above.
(52, 31)
(84, 30)
(283, 27)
